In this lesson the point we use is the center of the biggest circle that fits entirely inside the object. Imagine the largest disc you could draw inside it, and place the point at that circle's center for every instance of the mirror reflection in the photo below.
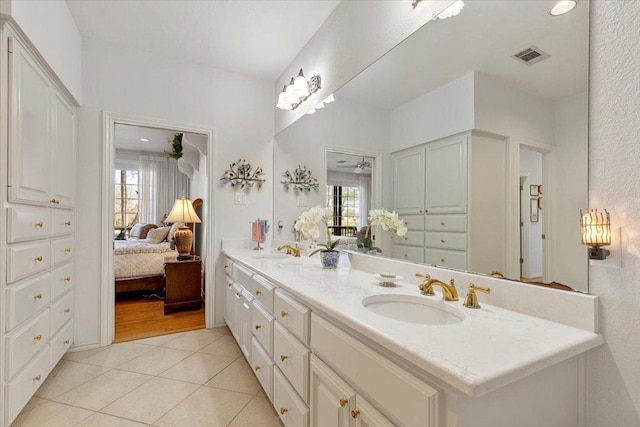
(477, 130)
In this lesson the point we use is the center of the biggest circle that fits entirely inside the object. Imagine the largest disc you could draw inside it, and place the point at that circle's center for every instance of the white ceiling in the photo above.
(483, 38)
(128, 138)
(346, 163)
(257, 38)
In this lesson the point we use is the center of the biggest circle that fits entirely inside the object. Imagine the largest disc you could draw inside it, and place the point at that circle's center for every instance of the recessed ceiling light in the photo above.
(563, 7)
(144, 140)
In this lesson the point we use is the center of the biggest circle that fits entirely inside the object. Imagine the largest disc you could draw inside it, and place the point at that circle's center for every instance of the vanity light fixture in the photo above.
(297, 91)
(320, 106)
(562, 7)
(300, 179)
(329, 99)
(240, 175)
(595, 228)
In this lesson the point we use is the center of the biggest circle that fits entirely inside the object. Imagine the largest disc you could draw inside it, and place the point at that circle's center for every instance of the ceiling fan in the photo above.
(357, 167)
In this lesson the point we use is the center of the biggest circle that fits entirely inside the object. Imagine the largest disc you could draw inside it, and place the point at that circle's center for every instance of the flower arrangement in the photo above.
(307, 226)
(176, 147)
(389, 222)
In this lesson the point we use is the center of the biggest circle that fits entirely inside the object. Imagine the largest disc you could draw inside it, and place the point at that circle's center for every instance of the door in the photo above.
(446, 176)
(332, 400)
(63, 180)
(408, 181)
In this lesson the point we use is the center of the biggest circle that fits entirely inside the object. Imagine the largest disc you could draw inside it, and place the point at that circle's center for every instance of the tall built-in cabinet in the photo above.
(451, 194)
(38, 155)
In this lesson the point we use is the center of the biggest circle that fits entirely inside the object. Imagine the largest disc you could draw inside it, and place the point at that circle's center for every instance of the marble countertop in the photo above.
(490, 348)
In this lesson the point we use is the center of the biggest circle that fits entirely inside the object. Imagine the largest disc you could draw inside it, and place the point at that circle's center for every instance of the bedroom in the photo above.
(154, 167)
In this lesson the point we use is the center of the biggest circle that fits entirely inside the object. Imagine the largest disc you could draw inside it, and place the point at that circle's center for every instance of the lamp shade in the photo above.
(183, 211)
(596, 228)
(301, 86)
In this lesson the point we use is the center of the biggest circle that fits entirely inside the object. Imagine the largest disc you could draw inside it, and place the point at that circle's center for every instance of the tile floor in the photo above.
(197, 378)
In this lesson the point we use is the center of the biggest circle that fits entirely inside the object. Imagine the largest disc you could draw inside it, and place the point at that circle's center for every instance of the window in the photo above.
(127, 198)
(345, 204)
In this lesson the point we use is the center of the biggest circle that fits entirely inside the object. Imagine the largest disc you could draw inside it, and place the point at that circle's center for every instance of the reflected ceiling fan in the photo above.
(357, 167)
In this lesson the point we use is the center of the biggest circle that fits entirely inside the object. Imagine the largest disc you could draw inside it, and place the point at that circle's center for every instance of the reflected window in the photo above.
(344, 202)
(127, 199)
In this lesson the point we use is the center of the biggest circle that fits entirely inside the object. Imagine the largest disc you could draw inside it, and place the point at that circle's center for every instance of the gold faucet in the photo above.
(449, 292)
(496, 273)
(290, 250)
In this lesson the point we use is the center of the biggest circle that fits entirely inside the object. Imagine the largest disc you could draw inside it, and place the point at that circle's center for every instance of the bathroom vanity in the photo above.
(335, 348)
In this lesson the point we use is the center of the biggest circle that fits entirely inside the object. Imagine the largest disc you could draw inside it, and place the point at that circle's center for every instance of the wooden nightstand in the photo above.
(183, 284)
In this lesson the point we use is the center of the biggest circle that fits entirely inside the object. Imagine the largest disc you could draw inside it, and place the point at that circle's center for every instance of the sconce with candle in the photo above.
(595, 228)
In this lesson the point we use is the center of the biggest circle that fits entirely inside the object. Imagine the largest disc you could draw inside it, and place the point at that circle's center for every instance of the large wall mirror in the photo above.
(476, 130)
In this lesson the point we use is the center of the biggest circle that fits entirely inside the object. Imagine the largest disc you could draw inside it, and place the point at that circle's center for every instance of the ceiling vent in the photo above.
(531, 55)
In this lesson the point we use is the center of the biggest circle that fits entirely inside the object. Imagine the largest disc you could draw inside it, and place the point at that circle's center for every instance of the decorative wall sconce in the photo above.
(297, 91)
(596, 232)
(300, 179)
(240, 175)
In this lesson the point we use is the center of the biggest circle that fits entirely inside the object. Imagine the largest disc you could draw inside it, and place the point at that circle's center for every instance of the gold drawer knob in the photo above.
(406, 255)
(37, 337)
(441, 259)
(37, 296)
(355, 413)
(283, 411)
(67, 342)
(67, 310)
(258, 327)
(67, 223)
(229, 284)
(343, 402)
(67, 250)
(441, 240)
(283, 357)
(39, 258)
(39, 224)
(257, 368)
(283, 314)
(442, 224)
(258, 292)
(67, 279)
(37, 378)
(238, 294)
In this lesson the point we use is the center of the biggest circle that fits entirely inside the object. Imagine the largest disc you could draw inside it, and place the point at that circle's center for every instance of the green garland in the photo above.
(176, 147)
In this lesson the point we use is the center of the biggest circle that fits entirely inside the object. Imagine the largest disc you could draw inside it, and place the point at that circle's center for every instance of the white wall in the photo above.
(614, 178)
(349, 40)
(52, 30)
(117, 79)
(531, 167)
(444, 111)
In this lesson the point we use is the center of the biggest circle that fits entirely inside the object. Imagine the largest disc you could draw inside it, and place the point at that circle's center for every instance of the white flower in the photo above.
(307, 224)
(389, 221)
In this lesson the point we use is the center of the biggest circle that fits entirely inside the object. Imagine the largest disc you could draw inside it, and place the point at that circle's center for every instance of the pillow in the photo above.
(157, 235)
(139, 231)
(173, 229)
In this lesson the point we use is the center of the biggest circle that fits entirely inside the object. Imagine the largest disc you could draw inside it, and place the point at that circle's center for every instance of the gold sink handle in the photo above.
(423, 288)
(471, 300)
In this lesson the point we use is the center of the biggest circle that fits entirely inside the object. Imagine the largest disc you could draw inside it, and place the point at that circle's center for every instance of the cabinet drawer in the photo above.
(412, 238)
(60, 343)
(61, 250)
(26, 259)
(242, 275)
(262, 366)
(292, 314)
(61, 312)
(27, 223)
(262, 326)
(414, 222)
(445, 258)
(446, 223)
(22, 345)
(263, 291)
(408, 400)
(454, 241)
(227, 265)
(290, 408)
(24, 386)
(27, 298)
(62, 222)
(61, 281)
(292, 358)
(408, 253)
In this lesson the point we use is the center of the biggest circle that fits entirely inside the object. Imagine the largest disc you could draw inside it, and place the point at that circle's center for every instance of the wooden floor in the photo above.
(142, 317)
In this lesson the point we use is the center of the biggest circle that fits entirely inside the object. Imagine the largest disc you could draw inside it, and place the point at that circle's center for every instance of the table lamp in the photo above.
(183, 212)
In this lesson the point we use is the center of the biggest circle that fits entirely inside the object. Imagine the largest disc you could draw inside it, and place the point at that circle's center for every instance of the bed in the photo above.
(138, 265)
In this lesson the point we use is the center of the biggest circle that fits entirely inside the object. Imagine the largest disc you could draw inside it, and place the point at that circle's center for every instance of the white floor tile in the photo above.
(159, 340)
(258, 413)
(193, 340)
(225, 346)
(238, 376)
(51, 414)
(117, 354)
(66, 376)
(77, 356)
(156, 361)
(103, 390)
(151, 401)
(103, 420)
(197, 368)
(206, 407)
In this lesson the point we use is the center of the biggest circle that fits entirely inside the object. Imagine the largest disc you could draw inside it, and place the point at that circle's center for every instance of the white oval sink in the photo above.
(413, 309)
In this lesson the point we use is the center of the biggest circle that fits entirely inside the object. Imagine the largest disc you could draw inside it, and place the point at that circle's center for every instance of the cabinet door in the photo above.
(30, 130)
(365, 415)
(332, 400)
(408, 179)
(446, 180)
(63, 153)
(244, 323)
(233, 294)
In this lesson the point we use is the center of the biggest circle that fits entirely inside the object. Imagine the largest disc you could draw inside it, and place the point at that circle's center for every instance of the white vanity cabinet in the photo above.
(448, 191)
(38, 222)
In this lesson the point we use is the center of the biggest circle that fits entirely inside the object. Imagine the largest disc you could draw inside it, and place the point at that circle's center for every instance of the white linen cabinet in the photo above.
(452, 195)
(37, 244)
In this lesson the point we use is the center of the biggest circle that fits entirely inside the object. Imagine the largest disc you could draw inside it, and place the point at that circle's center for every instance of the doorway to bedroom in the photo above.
(154, 292)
